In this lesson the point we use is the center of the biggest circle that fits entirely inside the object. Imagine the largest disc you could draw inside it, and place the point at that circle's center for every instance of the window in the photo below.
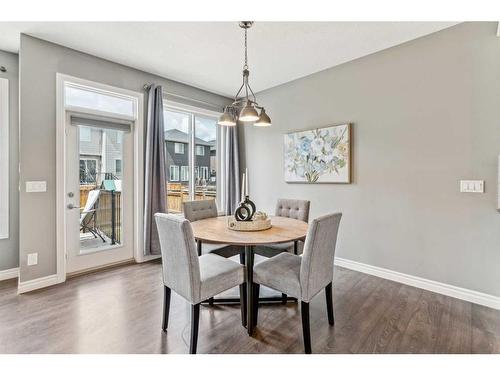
(200, 150)
(179, 148)
(118, 167)
(88, 171)
(190, 132)
(184, 173)
(92, 98)
(4, 158)
(85, 134)
(204, 174)
(174, 173)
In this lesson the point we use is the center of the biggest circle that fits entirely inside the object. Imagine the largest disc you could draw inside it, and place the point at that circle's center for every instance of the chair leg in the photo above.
(306, 329)
(195, 321)
(242, 257)
(198, 247)
(243, 304)
(284, 298)
(166, 307)
(256, 288)
(329, 304)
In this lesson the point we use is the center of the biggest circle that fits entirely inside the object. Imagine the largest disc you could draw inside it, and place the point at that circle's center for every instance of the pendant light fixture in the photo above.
(245, 107)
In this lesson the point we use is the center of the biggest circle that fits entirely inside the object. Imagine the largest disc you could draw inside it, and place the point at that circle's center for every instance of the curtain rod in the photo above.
(148, 85)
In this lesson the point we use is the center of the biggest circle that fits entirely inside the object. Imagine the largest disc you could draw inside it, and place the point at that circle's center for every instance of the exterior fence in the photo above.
(108, 217)
(177, 193)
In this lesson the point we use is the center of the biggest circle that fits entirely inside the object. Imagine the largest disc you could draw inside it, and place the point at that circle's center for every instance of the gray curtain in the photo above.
(155, 191)
(231, 168)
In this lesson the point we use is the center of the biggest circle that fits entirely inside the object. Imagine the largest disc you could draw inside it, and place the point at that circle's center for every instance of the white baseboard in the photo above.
(11, 273)
(42, 282)
(419, 282)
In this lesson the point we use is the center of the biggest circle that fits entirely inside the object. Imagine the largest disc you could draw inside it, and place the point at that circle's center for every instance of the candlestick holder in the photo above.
(245, 210)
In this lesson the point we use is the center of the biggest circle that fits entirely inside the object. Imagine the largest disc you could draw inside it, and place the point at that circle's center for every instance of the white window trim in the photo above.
(181, 146)
(4, 158)
(185, 175)
(202, 148)
(176, 169)
(204, 175)
(180, 107)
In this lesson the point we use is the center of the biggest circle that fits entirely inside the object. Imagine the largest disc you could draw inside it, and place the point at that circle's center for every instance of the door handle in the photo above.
(71, 206)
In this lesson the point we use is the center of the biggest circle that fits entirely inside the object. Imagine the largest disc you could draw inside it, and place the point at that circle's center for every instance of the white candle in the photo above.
(246, 182)
(243, 188)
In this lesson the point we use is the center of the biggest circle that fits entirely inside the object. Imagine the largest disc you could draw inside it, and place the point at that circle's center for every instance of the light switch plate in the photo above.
(32, 259)
(472, 186)
(36, 186)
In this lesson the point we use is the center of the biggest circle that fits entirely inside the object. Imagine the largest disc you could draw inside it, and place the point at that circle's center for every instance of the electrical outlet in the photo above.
(472, 186)
(32, 259)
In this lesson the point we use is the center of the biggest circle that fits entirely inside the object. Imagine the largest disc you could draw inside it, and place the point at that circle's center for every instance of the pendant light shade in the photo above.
(226, 119)
(248, 113)
(264, 119)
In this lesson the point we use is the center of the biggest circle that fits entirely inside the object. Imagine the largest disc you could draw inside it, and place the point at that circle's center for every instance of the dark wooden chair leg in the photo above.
(195, 320)
(198, 247)
(243, 304)
(295, 247)
(284, 298)
(329, 304)
(242, 257)
(306, 329)
(256, 288)
(166, 307)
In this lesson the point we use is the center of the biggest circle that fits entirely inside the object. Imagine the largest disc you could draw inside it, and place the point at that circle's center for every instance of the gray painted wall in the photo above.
(9, 248)
(425, 114)
(39, 63)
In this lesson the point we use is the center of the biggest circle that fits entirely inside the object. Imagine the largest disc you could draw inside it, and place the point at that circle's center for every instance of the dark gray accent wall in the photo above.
(425, 114)
(9, 248)
(39, 63)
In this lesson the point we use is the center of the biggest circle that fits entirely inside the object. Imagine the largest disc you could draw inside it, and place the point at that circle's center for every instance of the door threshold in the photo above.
(101, 268)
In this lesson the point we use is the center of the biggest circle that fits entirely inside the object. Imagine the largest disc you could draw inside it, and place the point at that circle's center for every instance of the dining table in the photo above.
(215, 230)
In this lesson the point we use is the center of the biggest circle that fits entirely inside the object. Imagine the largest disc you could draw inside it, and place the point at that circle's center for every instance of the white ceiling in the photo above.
(209, 55)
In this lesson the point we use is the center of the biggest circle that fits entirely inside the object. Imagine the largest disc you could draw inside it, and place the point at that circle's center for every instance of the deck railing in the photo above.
(108, 217)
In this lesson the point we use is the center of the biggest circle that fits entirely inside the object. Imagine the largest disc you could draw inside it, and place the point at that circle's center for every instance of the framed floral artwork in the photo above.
(318, 156)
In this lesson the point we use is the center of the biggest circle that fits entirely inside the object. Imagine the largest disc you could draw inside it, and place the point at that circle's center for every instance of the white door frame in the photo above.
(138, 129)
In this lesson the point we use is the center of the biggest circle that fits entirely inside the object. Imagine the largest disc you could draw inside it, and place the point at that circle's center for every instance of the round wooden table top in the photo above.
(215, 230)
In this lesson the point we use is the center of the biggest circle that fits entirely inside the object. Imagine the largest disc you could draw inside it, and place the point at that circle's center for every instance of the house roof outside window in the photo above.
(175, 135)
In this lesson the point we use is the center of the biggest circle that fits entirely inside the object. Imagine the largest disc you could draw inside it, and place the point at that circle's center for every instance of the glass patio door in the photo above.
(99, 192)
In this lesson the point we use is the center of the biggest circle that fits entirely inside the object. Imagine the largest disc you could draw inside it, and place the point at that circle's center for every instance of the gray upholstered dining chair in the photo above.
(195, 278)
(303, 276)
(295, 209)
(199, 210)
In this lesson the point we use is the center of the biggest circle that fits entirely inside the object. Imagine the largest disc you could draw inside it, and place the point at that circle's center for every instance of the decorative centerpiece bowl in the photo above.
(258, 222)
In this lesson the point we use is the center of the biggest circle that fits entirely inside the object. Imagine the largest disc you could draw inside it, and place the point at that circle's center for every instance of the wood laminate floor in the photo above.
(119, 311)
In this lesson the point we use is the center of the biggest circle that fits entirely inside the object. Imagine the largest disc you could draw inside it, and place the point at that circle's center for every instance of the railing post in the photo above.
(113, 218)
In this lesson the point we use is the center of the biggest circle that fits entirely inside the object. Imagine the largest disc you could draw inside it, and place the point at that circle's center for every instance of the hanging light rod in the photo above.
(244, 108)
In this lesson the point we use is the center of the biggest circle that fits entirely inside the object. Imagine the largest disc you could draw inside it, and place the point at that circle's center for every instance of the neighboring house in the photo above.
(100, 155)
(178, 158)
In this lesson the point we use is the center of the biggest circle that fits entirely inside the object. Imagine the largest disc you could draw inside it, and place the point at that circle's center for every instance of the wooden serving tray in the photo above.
(248, 226)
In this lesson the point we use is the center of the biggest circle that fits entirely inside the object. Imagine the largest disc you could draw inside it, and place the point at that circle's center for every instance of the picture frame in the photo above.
(316, 156)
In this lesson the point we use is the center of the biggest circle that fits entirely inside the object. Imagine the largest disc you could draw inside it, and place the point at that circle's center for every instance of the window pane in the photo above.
(177, 155)
(205, 131)
(80, 97)
(101, 169)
